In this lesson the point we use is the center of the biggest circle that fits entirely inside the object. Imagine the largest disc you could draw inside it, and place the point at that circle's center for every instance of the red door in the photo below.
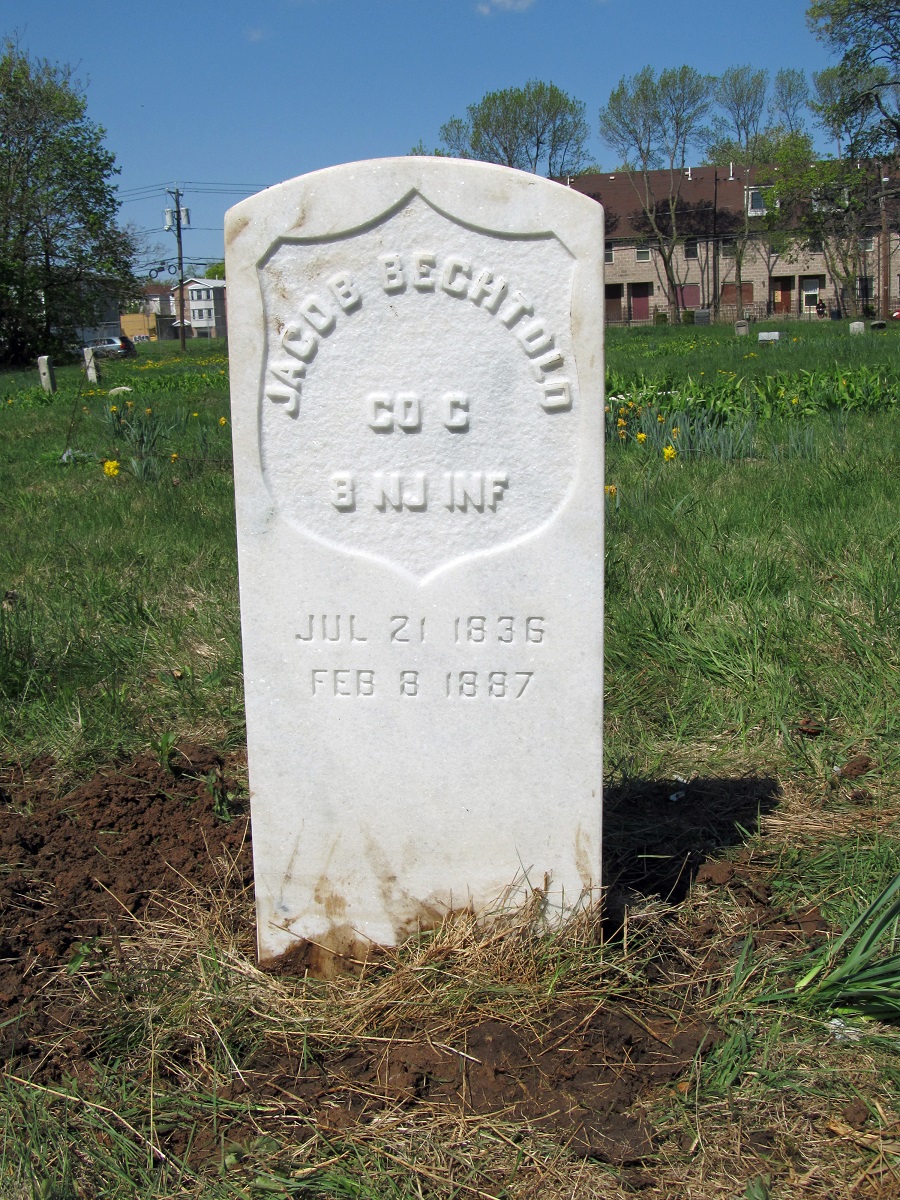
(689, 295)
(782, 298)
(640, 301)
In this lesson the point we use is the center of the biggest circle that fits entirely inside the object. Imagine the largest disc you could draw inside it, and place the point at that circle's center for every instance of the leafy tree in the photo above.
(651, 121)
(215, 271)
(829, 206)
(866, 86)
(535, 128)
(61, 253)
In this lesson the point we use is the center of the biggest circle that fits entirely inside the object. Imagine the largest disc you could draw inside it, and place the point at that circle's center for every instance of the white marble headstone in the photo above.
(416, 376)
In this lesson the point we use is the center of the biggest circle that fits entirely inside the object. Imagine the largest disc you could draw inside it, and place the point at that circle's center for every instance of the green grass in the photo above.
(751, 582)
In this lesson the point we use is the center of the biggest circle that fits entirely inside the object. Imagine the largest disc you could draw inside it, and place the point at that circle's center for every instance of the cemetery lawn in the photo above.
(751, 814)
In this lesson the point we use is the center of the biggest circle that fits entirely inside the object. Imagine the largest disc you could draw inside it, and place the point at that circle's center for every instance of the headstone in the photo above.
(764, 338)
(741, 328)
(701, 316)
(90, 365)
(47, 374)
(877, 326)
(857, 327)
(416, 381)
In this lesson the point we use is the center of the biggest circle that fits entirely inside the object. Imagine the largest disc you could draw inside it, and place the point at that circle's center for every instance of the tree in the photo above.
(740, 93)
(790, 99)
(651, 122)
(866, 87)
(215, 271)
(533, 128)
(61, 253)
(829, 206)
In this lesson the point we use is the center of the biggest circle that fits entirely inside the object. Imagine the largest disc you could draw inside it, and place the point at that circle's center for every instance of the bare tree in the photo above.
(651, 121)
(790, 99)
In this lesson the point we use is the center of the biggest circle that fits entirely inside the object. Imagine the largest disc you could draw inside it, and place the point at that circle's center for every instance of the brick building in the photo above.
(718, 224)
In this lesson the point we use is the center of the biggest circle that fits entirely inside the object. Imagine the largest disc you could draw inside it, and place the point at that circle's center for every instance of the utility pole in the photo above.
(885, 251)
(176, 199)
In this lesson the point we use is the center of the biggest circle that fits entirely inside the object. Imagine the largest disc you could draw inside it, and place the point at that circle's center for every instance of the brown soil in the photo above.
(85, 864)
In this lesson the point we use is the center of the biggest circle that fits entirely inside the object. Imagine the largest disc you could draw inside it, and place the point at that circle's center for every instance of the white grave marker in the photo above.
(90, 365)
(416, 375)
(46, 373)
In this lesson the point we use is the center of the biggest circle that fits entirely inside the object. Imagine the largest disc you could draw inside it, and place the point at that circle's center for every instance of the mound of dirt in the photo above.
(84, 864)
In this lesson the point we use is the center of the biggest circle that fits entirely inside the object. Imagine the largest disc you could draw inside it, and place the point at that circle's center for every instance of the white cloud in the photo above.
(486, 7)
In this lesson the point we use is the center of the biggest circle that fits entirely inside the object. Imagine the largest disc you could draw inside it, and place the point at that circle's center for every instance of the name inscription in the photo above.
(419, 272)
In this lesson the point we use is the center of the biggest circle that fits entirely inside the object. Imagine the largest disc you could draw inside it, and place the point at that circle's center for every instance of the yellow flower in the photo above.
(223, 420)
(606, 409)
(110, 468)
(622, 434)
(148, 411)
(610, 490)
(674, 431)
(661, 419)
(669, 452)
(796, 400)
(641, 437)
(173, 458)
(195, 414)
(112, 408)
(129, 404)
(621, 423)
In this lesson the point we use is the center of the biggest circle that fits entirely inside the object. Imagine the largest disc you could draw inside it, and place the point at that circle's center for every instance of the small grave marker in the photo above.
(90, 365)
(417, 367)
(46, 373)
(741, 328)
(857, 328)
(767, 338)
(701, 316)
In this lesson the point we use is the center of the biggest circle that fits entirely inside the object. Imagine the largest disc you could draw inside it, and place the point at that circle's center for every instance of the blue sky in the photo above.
(248, 94)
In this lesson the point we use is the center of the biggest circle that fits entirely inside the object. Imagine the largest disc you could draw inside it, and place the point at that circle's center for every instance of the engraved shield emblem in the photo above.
(418, 401)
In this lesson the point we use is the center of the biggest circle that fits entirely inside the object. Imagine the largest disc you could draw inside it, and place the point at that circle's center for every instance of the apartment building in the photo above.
(719, 239)
(205, 308)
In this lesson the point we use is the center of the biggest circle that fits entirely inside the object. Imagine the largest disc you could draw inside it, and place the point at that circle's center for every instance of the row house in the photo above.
(715, 238)
(205, 308)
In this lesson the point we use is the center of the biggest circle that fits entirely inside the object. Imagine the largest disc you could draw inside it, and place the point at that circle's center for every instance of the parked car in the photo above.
(117, 347)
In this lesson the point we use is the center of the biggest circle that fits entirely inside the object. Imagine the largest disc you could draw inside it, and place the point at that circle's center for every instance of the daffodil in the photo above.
(223, 420)
(112, 408)
(641, 437)
(669, 452)
(611, 490)
(110, 468)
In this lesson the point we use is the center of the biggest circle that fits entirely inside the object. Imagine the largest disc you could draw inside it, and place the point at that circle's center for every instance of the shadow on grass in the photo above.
(657, 832)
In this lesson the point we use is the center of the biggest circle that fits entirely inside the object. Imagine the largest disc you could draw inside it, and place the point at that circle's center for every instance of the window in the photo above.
(867, 244)
(209, 312)
(608, 253)
(642, 254)
(691, 248)
(727, 246)
(194, 293)
(864, 289)
(815, 245)
(756, 202)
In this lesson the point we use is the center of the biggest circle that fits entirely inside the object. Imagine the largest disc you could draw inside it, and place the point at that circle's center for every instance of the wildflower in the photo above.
(129, 404)
(669, 452)
(622, 434)
(661, 418)
(110, 468)
(641, 437)
(621, 423)
(223, 420)
(796, 400)
(675, 431)
(173, 458)
(610, 490)
(195, 414)
(112, 408)
(148, 411)
(606, 409)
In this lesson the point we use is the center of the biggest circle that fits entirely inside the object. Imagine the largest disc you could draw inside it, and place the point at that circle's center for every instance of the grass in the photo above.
(753, 626)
